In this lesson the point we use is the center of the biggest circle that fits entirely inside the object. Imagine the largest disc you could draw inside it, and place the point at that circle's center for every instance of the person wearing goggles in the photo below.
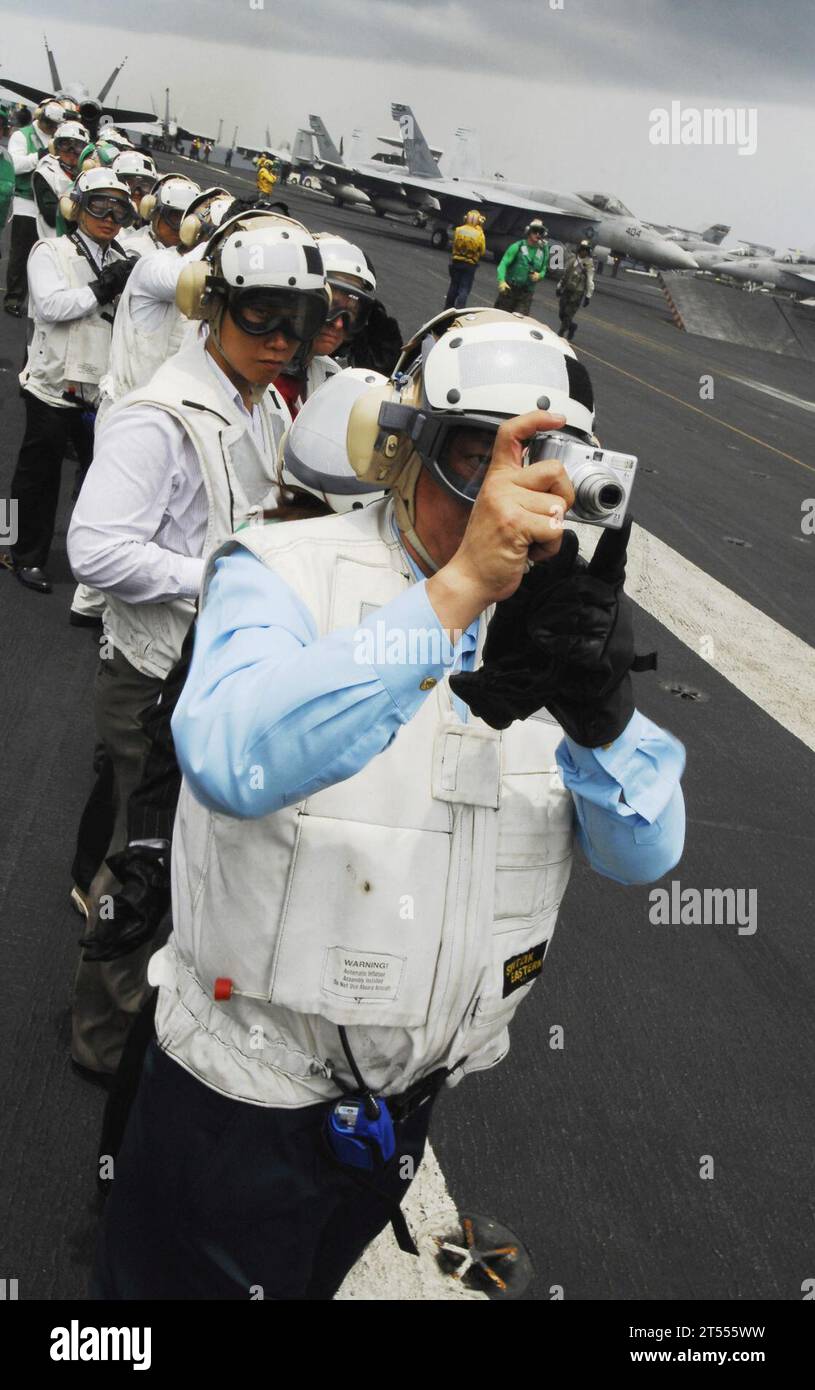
(522, 265)
(180, 462)
(74, 281)
(352, 284)
(54, 175)
(330, 767)
(161, 212)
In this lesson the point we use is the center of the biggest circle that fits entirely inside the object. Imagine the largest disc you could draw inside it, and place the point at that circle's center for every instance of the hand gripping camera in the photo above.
(602, 479)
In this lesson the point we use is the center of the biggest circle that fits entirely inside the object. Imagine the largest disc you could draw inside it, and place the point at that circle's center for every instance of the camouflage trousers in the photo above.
(516, 300)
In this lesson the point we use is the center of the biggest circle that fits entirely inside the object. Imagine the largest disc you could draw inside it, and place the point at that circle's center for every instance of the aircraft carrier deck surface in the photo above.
(679, 1042)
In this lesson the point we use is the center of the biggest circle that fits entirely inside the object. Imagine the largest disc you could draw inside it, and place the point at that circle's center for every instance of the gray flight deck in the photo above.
(680, 1043)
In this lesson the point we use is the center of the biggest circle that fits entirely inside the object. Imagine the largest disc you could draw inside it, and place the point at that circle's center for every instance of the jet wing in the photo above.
(122, 116)
(35, 94)
(184, 134)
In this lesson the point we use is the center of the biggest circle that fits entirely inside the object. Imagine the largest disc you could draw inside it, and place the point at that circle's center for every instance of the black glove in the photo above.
(138, 907)
(586, 631)
(566, 642)
(113, 278)
(508, 684)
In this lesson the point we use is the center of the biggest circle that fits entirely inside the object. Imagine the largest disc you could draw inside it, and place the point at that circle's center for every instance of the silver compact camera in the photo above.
(602, 480)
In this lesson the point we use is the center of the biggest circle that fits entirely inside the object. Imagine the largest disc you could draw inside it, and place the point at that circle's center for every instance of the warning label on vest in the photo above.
(361, 975)
(520, 969)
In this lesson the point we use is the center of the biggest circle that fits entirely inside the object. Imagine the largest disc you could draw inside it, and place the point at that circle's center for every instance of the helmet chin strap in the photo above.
(404, 491)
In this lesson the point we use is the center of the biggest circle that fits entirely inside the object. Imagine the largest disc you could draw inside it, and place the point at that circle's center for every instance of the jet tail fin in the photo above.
(52, 64)
(302, 151)
(419, 159)
(466, 160)
(360, 148)
(715, 234)
(325, 145)
(111, 80)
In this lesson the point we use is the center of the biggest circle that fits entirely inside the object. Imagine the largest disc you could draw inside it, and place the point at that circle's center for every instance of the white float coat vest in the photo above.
(73, 353)
(136, 352)
(239, 478)
(51, 172)
(140, 241)
(412, 902)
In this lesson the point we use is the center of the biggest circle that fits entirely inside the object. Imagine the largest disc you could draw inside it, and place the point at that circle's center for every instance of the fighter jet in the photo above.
(509, 206)
(92, 110)
(172, 130)
(792, 274)
(385, 188)
(420, 191)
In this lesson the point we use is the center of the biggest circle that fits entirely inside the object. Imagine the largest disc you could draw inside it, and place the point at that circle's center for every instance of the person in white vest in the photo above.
(366, 878)
(161, 212)
(55, 173)
(353, 291)
(74, 282)
(26, 147)
(137, 170)
(149, 326)
(177, 466)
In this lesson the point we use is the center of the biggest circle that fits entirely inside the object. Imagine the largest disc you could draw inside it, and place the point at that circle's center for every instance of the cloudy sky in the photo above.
(561, 91)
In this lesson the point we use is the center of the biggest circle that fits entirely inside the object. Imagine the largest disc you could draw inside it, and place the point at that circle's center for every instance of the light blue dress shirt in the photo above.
(264, 691)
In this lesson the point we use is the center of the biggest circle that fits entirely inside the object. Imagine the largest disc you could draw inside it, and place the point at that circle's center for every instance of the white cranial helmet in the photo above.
(312, 453)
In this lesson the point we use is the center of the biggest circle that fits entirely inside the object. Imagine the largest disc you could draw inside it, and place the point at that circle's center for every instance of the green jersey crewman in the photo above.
(522, 265)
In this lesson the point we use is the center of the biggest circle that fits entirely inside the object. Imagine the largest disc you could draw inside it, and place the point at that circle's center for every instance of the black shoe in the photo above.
(84, 620)
(15, 311)
(33, 578)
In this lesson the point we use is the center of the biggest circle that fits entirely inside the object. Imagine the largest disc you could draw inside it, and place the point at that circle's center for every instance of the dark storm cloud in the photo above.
(750, 48)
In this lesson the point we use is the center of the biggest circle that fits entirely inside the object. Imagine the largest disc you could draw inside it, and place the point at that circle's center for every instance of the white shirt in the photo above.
(23, 164)
(139, 523)
(152, 285)
(51, 298)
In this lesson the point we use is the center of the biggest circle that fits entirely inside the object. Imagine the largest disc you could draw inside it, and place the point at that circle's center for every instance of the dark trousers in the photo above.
(109, 994)
(48, 429)
(217, 1199)
(462, 275)
(96, 824)
(23, 236)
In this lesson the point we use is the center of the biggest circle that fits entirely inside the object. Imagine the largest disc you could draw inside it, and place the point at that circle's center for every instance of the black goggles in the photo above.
(456, 450)
(298, 315)
(349, 306)
(172, 216)
(101, 205)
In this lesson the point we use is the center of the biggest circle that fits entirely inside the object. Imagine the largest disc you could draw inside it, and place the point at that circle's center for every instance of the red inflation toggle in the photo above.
(222, 988)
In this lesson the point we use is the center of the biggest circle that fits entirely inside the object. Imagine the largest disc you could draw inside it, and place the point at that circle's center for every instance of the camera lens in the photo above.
(610, 496)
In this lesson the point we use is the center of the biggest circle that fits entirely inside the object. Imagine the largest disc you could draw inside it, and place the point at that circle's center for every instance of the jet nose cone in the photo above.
(677, 258)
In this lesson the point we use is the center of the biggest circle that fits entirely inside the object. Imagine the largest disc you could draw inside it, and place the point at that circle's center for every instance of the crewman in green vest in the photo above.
(26, 147)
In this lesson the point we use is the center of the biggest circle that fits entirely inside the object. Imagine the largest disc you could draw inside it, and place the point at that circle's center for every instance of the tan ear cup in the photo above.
(374, 460)
(147, 206)
(190, 290)
(190, 230)
(69, 210)
(52, 149)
